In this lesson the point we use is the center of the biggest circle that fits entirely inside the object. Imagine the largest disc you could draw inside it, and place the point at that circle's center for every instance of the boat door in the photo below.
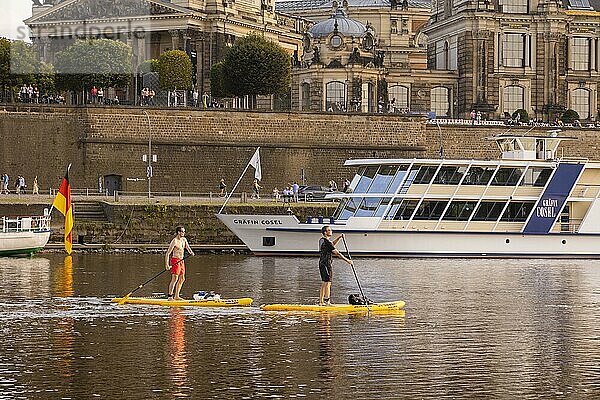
(112, 183)
(540, 149)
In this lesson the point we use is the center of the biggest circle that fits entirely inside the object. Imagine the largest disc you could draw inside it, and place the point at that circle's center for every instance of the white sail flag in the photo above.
(255, 162)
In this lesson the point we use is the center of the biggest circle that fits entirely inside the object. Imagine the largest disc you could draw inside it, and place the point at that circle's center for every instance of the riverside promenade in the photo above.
(146, 224)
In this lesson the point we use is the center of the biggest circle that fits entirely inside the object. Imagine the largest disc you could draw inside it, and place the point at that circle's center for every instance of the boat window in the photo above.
(367, 207)
(402, 209)
(430, 210)
(460, 210)
(517, 211)
(398, 178)
(489, 211)
(366, 179)
(507, 176)
(382, 206)
(382, 180)
(450, 175)
(478, 176)
(536, 177)
(425, 174)
(347, 208)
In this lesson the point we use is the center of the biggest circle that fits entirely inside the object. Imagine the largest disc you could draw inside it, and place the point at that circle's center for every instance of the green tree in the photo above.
(148, 66)
(95, 62)
(217, 81)
(523, 115)
(256, 66)
(570, 116)
(19, 64)
(175, 70)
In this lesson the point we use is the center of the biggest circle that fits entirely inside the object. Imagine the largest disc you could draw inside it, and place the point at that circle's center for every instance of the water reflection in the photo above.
(178, 363)
(473, 328)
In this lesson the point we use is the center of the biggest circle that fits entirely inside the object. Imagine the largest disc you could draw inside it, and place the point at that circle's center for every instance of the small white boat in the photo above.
(528, 203)
(23, 235)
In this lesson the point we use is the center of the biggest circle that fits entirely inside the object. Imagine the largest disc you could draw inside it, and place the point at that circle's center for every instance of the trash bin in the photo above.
(309, 220)
(81, 239)
(320, 219)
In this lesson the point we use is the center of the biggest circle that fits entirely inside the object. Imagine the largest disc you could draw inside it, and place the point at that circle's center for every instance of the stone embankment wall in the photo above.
(155, 223)
(195, 148)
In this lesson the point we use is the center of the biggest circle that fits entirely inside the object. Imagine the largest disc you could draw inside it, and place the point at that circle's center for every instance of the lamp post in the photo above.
(149, 168)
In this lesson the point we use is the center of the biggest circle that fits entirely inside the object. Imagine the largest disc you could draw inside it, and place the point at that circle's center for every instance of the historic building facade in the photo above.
(367, 56)
(542, 56)
(203, 28)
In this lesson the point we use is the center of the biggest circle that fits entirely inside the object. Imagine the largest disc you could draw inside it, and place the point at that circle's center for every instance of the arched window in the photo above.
(335, 99)
(580, 102)
(305, 96)
(440, 101)
(398, 98)
(513, 99)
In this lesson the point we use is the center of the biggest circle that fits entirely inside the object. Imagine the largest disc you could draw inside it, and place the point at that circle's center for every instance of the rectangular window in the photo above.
(383, 178)
(366, 179)
(488, 211)
(398, 178)
(517, 211)
(513, 50)
(536, 177)
(402, 209)
(425, 174)
(368, 207)
(381, 207)
(449, 175)
(430, 210)
(347, 208)
(478, 176)
(514, 6)
(460, 210)
(440, 55)
(507, 177)
(513, 99)
(580, 54)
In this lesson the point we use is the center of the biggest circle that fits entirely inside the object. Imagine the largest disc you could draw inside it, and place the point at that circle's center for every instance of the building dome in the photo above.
(340, 21)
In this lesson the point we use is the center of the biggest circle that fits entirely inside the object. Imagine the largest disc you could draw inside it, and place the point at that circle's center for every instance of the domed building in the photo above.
(367, 56)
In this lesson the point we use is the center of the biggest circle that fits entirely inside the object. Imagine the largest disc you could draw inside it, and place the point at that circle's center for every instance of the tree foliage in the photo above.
(95, 62)
(523, 115)
(570, 116)
(217, 81)
(175, 70)
(148, 66)
(256, 66)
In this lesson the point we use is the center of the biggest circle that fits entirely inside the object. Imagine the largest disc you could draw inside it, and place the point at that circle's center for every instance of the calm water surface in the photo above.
(473, 328)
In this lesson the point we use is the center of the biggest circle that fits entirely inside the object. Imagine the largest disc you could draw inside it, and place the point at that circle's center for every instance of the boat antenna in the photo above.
(441, 151)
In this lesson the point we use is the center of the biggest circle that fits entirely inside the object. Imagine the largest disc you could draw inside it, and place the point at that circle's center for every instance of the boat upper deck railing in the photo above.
(26, 224)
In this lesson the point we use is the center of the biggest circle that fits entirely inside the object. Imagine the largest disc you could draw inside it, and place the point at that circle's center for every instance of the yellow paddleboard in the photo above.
(396, 307)
(243, 302)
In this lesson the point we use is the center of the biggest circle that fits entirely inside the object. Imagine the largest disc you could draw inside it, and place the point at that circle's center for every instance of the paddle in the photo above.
(356, 276)
(124, 299)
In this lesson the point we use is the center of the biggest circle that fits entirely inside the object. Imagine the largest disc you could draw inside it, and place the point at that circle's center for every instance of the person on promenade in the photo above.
(256, 189)
(5, 180)
(295, 189)
(36, 188)
(222, 187)
(326, 251)
(174, 262)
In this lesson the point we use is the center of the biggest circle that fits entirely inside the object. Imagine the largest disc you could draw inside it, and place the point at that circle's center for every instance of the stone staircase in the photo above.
(89, 211)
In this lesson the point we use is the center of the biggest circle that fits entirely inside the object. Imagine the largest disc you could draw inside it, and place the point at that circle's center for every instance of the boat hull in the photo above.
(22, 243)
(284, 235)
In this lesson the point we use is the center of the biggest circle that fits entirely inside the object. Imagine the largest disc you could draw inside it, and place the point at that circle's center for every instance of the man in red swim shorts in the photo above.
(174, 262)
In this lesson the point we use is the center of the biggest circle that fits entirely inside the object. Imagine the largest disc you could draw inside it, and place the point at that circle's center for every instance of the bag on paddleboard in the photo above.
(202, 295)
(358, 300)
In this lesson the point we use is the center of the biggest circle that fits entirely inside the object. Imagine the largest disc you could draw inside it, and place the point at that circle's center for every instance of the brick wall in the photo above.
(196, 148)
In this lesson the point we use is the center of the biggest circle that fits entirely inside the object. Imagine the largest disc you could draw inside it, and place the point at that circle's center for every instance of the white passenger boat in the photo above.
(23, 235)
(528, 203)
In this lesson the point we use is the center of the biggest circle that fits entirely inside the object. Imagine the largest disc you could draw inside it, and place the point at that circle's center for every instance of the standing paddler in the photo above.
(174, 262)
(326, 251)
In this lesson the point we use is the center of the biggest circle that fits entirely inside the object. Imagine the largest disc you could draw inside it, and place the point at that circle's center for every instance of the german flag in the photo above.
(62, 203)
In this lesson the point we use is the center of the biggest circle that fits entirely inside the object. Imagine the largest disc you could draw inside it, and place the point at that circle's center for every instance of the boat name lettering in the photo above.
(257, 222)
(548, 208)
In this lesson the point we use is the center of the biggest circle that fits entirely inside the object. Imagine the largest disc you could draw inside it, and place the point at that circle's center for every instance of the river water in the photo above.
(500, 329)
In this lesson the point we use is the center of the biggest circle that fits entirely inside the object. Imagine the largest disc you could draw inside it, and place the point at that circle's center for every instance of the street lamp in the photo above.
(150, 157)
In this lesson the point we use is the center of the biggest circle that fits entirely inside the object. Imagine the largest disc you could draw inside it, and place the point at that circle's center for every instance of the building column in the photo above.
(174, 39)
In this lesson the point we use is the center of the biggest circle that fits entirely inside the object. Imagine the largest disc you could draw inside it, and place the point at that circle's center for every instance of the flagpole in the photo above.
(236, 184)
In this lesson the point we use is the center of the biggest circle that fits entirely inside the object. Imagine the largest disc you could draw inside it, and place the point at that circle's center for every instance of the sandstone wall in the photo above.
(195, 148)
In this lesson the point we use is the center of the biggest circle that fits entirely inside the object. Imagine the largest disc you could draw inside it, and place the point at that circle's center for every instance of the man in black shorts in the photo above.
(327, 250)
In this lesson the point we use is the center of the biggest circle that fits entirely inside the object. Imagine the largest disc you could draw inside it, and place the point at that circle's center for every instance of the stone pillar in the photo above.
(141, 47)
